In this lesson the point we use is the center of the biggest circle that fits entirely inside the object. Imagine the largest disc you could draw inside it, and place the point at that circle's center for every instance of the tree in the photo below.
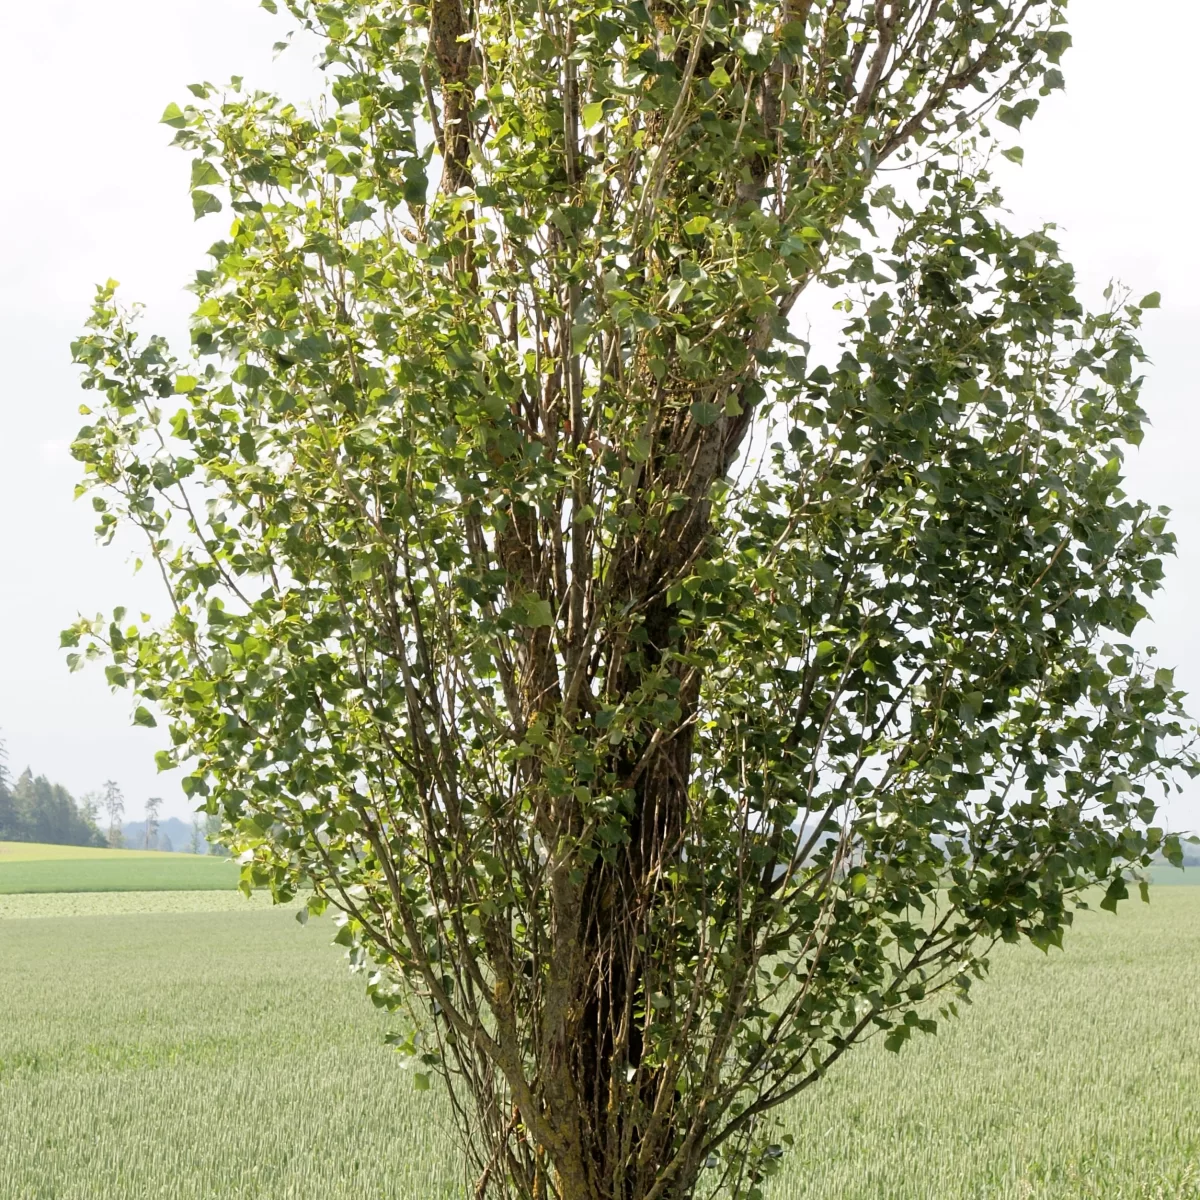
(8, 812)
(153, 807)
(664, 709)
(89, 806)
(196, 845)
(212, 831)
(113, 803)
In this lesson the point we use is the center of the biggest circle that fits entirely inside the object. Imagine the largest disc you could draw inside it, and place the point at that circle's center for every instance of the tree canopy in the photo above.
(665, 705)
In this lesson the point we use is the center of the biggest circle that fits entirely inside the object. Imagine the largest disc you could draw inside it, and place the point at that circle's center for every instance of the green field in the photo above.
(227, 1053)
(30, 867)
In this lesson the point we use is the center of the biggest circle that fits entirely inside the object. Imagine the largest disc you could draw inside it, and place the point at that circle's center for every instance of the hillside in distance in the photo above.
(174, 836)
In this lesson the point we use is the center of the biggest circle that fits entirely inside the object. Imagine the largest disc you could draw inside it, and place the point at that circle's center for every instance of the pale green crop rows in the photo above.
(110, 904)
(1072, 1075)
(227, 1054)
(201, 1056)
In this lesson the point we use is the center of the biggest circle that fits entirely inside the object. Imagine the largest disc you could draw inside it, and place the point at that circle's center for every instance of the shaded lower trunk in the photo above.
(629, 1142)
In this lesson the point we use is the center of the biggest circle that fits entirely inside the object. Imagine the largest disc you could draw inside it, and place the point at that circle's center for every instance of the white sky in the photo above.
(94, 190)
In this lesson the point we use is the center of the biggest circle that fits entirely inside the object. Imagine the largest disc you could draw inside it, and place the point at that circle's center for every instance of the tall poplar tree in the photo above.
(664, 708)
(113, 803)
(153, 808)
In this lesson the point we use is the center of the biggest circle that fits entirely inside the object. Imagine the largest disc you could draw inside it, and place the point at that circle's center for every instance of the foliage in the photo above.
(212, 831)
(664, 709)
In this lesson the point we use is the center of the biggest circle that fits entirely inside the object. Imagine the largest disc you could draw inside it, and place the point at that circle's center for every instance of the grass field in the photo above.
(227, 1053)
(31, 867)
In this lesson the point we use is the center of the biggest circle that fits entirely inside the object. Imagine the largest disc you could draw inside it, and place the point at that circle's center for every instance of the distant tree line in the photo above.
(32, 809)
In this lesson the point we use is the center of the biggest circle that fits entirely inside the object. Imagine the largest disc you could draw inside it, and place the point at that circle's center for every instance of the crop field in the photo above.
(224, 1051)
(14, 852)
(111, 904)
(30, 867)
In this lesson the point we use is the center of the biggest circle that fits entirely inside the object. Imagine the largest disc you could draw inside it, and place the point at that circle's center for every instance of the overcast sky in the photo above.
(94, 191)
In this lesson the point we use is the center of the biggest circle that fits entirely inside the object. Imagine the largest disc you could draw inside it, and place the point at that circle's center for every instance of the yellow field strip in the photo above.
(42, 852)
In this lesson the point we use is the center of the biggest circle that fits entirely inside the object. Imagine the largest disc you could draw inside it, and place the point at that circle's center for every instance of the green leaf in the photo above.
(1117, 891)
(535, 612)
(143, 716)
(204, 174)
(679, 290)
(421, 1081)
(173, 115)
(719, 77)
(204, 202)
(697, 225)
(592, 114)
(416, 182)
(1152, 300)
(338, 163)
(1014, 114)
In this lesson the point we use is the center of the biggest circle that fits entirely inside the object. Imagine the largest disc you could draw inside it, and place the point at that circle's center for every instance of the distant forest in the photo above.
(32, 809)
(35, 810)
